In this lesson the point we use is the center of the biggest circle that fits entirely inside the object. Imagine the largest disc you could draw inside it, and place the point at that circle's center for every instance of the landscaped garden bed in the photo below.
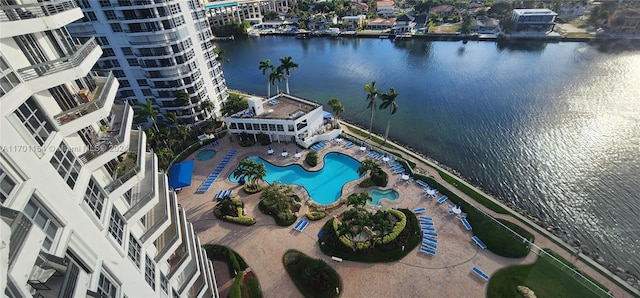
(279, 202)
(232, 210)
(245, 282)
(357, 235)
(312, 277)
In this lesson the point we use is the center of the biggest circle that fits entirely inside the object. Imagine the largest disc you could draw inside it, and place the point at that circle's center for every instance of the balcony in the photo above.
(170, 239)
(43, 76)
(88, 113)
(182, 255)
(20, 226)
(129, 171)
(187, 276)
(52, 276)
(145, 193)
(157, 219)
(36, 16)
(112, 142)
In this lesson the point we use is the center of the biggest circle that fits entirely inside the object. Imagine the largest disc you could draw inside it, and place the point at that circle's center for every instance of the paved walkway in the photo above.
(262, 245)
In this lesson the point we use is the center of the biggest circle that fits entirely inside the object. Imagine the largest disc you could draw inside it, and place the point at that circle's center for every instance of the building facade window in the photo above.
(116, 226)
(150, 272)
(34, 120)
(8, 79)
(94, 197)
(66, 164)
(106, 287)
(6, 186)
(115, 27)
(42, 218)
(164, 283)
(134, 250)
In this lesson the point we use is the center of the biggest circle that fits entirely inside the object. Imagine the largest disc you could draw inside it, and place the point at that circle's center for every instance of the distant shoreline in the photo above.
(461, 37)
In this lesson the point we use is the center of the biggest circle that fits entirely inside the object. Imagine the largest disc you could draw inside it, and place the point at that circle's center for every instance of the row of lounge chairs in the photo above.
(319, 146)
(301, 225)
(429, 235)
(348, 145)
(223, 194)
(206, 184)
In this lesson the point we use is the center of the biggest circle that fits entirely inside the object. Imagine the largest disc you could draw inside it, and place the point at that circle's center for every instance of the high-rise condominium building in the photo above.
(84, 209)
(157, 49)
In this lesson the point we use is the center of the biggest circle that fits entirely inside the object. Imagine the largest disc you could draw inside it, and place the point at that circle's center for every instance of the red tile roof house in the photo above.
(443, 10)
(359, 5)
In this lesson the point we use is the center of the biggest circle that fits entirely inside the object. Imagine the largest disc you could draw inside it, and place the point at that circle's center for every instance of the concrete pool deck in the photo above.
(448, 274)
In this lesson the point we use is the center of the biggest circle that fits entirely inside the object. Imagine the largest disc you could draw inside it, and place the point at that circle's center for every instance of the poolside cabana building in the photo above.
(284, 118)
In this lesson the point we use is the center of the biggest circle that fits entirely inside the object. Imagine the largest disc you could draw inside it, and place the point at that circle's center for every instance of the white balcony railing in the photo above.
(51, 67)
(99, 101)
(34, 10)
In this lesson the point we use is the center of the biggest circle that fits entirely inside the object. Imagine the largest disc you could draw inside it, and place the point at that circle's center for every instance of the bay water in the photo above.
(552, 127)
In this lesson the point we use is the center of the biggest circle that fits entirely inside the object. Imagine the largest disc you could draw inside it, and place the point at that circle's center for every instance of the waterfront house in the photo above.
(354, 22)
(380, 24)
(626, 21)
(485, 25)
(283, 118)
(408, 23)
(534, 20)
(404, 23)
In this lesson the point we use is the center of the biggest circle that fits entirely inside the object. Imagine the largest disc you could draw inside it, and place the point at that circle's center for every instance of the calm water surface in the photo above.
(554, 128)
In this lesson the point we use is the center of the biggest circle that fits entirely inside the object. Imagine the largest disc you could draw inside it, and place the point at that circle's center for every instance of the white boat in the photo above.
(253, 33)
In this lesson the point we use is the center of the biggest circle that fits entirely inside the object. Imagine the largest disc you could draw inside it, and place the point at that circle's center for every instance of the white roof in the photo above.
(537, 11)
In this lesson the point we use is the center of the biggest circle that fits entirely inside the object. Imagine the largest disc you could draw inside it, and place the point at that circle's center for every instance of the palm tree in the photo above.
(171, 118)
(253, 170)
(145, 111)
(266, 66)
(368, 165)
(275, 77)
(234, 104)
(183, 98)
(286, 65)
(389, 102)
(372, 95)
(207, 106)
(336, 107)
(220, 57)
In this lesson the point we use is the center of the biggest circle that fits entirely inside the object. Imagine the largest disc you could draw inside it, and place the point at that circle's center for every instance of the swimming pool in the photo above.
(205, 154)
(324, 186)
(377, 195)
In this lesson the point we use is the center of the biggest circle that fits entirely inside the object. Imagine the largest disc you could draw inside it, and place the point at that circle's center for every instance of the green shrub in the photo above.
(311, 159)
(380, 178)
(236, 288)
(316, 215)
(254, 288)
(244, 220)
(312, 277)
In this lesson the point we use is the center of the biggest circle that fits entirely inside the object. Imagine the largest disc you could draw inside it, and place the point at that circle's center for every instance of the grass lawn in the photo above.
(543, 277)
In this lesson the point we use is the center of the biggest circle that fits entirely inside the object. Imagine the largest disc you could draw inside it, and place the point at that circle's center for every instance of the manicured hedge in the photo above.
(316, 215)
(312, 277)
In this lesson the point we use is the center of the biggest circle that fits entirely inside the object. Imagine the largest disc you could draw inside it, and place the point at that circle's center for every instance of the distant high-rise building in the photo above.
(158, 49)
(84, 209)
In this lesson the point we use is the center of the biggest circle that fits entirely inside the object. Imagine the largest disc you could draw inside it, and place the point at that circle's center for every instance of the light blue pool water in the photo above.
(324, 186)
(205, 154)
(378, 195)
